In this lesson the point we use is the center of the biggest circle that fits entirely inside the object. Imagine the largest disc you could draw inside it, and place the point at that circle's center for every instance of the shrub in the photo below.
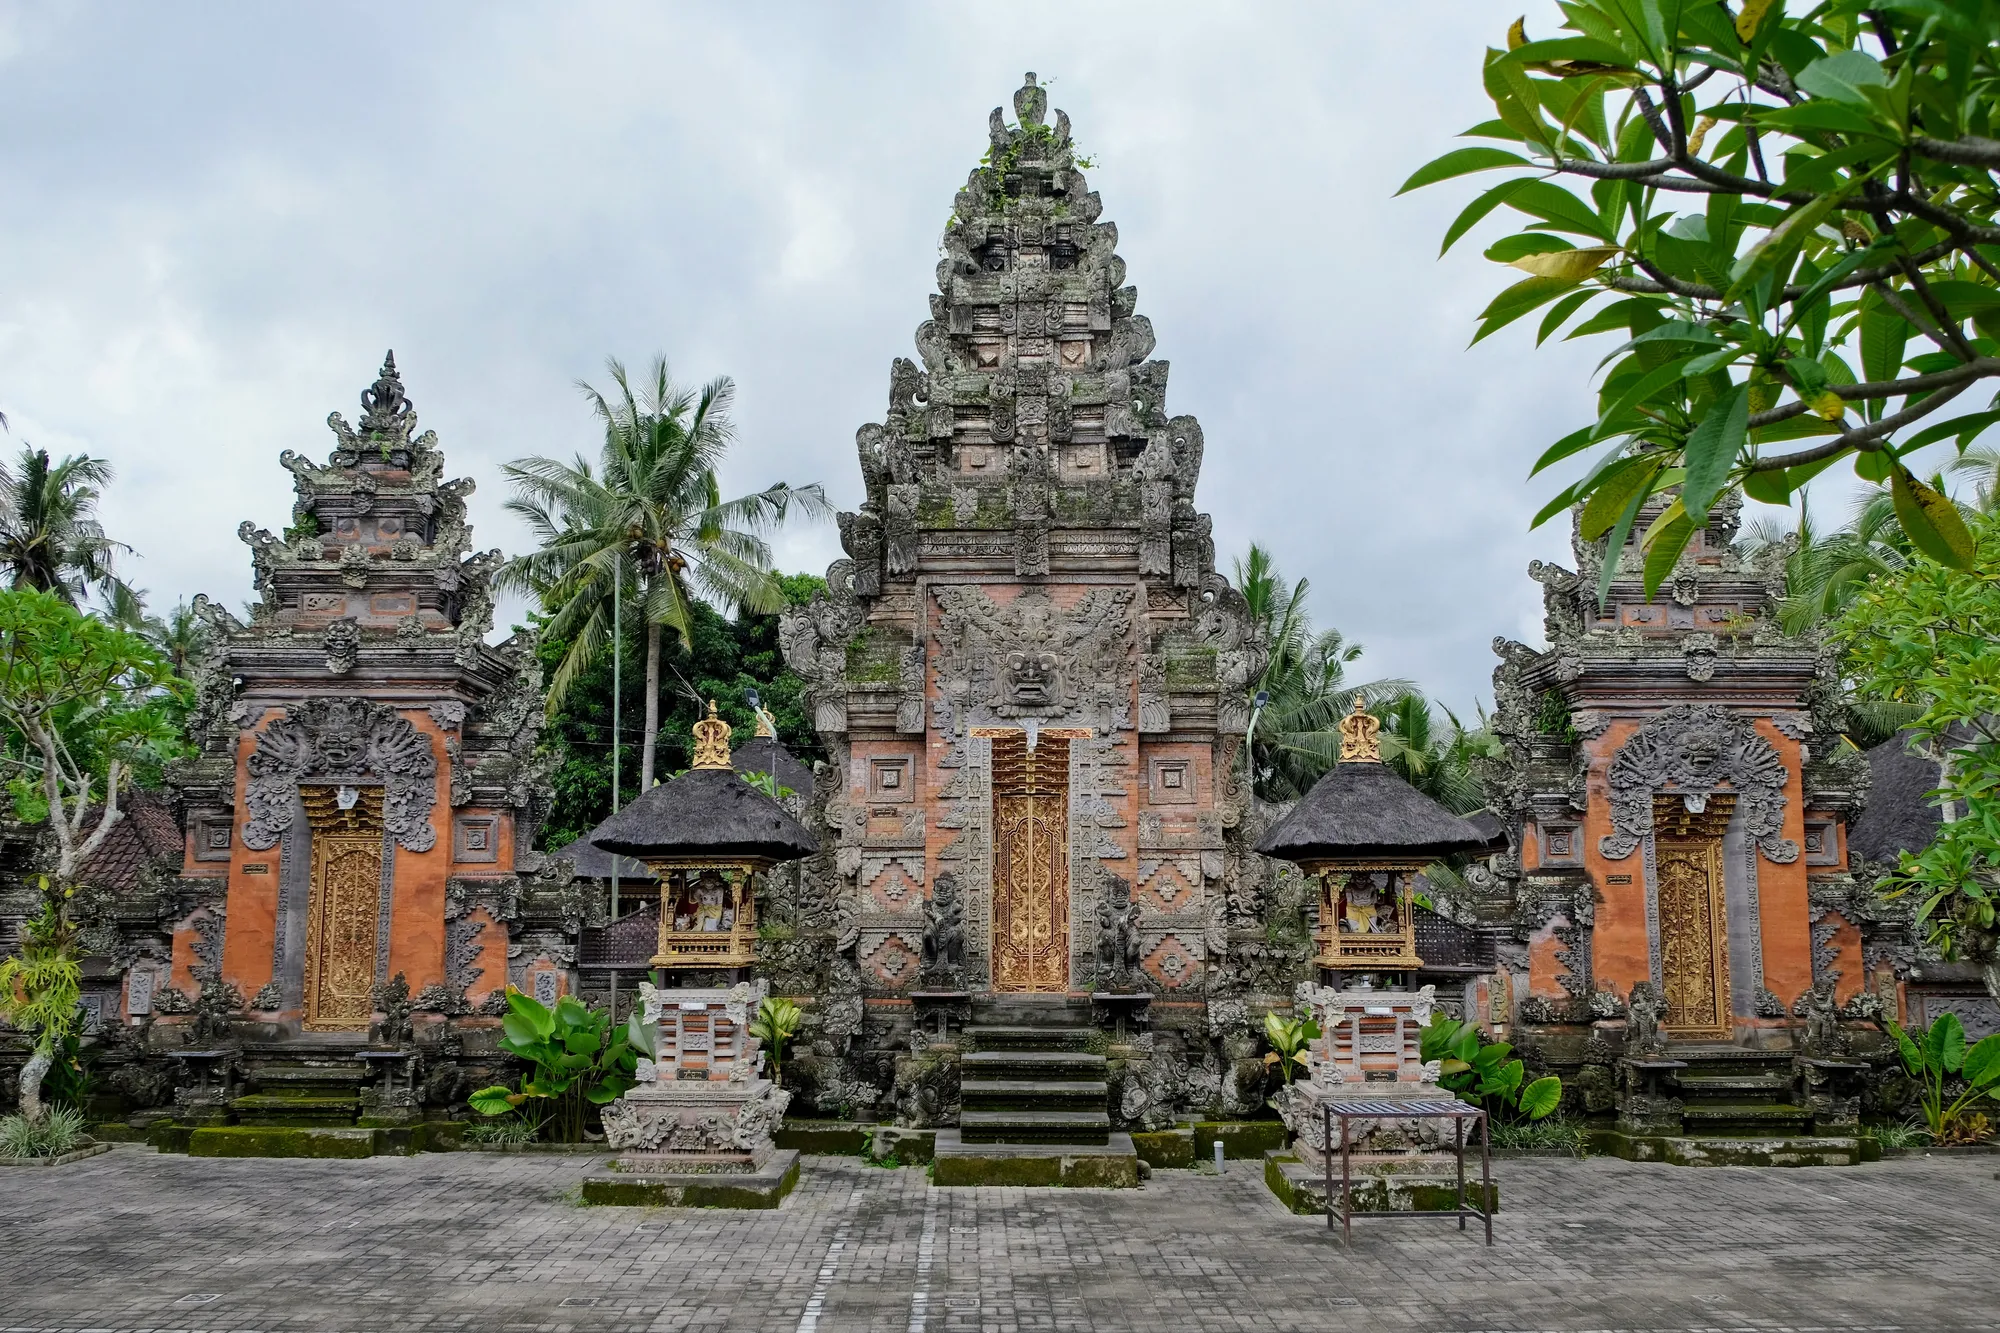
(60, 1130)
(508, 1129)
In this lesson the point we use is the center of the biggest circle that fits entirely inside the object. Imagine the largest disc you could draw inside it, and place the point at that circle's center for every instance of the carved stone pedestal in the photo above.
(697, 1127)
(1390, 1145)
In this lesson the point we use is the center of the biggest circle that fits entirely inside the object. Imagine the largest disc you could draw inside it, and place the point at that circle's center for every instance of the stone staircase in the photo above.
(1034, 1101)
(1703, 1104)
(1736, 1091)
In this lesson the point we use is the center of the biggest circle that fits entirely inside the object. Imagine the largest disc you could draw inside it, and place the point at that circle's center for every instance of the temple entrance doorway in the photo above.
(342, 915)
(1693, 918)
(1030, 862)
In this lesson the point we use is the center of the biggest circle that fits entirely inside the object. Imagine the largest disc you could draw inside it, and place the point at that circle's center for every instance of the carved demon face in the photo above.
(1032, 680)
(1706, 747)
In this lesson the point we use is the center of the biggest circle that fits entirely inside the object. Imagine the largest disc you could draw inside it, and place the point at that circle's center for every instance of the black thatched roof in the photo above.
(592, 862)
(1363, 810)
(1898, 817)
(763, 754)
(705, 812)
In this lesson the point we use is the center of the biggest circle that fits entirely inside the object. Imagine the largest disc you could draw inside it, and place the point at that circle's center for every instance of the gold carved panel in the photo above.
(342, 913)
(1030, 863)
(1694, 937)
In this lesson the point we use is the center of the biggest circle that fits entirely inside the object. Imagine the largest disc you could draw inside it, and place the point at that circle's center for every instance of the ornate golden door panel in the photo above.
(342, 913)
(1030, 862)
(1694, 936)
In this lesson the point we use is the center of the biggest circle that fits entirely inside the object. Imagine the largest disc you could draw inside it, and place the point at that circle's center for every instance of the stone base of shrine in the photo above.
(685, 1181)
(1112, 1165)
(1406, 1185)
(1726, 1150)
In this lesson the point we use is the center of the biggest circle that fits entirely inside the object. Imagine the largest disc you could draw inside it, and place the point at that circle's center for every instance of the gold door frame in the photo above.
(1693, 916)
(1030, 916)
(343, 908)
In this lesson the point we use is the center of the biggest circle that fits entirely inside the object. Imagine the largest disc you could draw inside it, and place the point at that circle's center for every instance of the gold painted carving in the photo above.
(708, 913)
(1358, 736)
(711, 741)
(1694, 941)
(1031, 862)
(1367, 914)
(342, 913)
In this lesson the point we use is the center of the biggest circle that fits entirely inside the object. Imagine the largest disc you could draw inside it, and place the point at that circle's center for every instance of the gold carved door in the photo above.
(1694, 935)
(343, 909)
(1030, 863)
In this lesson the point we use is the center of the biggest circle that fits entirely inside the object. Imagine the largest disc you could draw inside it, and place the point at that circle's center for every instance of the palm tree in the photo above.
(1295, 732)
(1983, 466)
(50, 538)
(1436, 760)
(649, 518)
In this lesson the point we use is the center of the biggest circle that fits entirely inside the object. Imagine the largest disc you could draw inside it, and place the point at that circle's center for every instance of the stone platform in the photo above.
(1728, 1149)
(1110, 1165)
(1302, 1188)
(762, 1187)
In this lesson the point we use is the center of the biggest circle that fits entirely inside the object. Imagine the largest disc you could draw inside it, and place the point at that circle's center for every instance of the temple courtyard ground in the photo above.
(132, 1240)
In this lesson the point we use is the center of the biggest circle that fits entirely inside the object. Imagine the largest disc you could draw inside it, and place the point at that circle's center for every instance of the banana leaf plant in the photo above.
(1482, 1072)
(577, 1058)
(1939, 1055)
(776, 1023)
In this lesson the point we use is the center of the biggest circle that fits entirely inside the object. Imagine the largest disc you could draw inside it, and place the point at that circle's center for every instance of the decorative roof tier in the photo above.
(1361, 810)
(707, 813)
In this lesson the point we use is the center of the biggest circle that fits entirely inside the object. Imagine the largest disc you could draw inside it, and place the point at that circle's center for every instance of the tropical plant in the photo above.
(40, 985)
(776, 1023)
(1436, 760)
(50, 538)
(578, 1062)
(1761, 199)
(1295, 730)
(1289, 1038)
(1924, 634)
(649, 520)
(60, 1131)
(1939, 1060)
(1555, 1132)
(1482, 1073)
(504, 1129)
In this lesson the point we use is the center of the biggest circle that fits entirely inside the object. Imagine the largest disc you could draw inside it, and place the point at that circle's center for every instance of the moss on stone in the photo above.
(1166, 1149)
(826, 1138)
(609, 1188)
(279, 1141)
(1304, 1193)
(167, 1136)
(1242, 1140)
(1091, 1171)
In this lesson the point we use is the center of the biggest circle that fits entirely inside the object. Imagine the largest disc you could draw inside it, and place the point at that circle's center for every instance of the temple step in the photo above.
(1093, 1127)
(1012, 1038)
(1048, 1065)
(1778, 1084)
(1761, 1116)
(1000, 1094)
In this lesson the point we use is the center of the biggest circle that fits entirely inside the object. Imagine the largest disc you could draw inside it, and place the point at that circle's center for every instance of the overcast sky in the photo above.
(218, 216)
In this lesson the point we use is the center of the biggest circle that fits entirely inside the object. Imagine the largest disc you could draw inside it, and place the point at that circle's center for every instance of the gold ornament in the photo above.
(711, 741)
(1358, 732)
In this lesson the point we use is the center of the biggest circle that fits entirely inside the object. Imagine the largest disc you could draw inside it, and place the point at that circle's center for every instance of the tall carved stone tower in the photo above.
(364, 796)
(1028, 672)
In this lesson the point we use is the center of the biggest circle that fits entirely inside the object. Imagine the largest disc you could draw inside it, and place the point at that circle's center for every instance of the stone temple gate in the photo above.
(1028, 670)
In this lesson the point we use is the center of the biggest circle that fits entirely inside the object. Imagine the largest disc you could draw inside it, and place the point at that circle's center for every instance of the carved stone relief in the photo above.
(335, 740)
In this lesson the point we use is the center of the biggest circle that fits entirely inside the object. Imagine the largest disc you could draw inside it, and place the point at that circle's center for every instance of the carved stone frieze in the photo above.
(1694, 751)
(342, 740)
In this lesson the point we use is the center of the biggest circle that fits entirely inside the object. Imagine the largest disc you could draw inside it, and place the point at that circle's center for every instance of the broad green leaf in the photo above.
(1541, 1097)
(582, 1043)
(1470, 216)
(519, 1030)
(1615, 544)
(1632, 476)
(1884, 335)
(1966, 428)
(531, 1012)
(495, 1100)
(1933, 523)
(1612, 419)
(1913, 1055)
(1573, 443)
(1510, 248)
(1559, 209)
(1982, 1062)
(1712, 449)
(1560, 313)
(1584, 49)
(1518, 300)
(1944, 1044)
(1780, 243)
(1461, 162)
(1841, 76)
(1772, 486)
(1874, 464)
(602, 1094)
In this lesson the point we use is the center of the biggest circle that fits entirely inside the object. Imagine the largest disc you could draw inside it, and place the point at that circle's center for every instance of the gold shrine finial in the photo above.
(1358, 732)
(711, 741)
(766, 724)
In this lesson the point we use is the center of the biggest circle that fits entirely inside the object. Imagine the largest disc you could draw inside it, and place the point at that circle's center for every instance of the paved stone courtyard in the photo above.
(132, 1240)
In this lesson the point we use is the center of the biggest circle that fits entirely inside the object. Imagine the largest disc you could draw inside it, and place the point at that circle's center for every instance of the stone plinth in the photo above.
(696, 1126)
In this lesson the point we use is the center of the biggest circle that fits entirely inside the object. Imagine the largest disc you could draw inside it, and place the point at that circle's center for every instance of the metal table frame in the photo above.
(1455, 1111)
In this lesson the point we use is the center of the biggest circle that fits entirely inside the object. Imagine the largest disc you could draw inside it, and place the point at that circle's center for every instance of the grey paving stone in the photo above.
(135, 1241)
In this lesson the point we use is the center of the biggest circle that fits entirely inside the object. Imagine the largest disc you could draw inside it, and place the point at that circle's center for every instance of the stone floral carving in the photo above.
(1031, 658)
(337, 739)
(1694, 751)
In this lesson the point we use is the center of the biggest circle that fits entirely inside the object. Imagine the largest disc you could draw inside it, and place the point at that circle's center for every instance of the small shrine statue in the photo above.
(1642, 1018)
(944, 926)
(1371, 907)
(1117, 930)
(709, 910)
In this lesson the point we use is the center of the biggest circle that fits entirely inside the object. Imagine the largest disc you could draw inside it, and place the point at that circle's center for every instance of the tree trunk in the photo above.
(652, 734)
(32, 1075)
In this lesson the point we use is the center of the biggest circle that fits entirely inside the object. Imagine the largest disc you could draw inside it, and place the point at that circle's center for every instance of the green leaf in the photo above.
(1541, 1097)
(1615, 544)
(1561, 312)
(1966, 428)
(530, 1011)
(1664, 542)
(1573, 443)
(1944, 1044)
(1779, 244)
(1613, 418)
(582, 1043)
(1772, 487)
(1841, 76)
(1570, 265)
(495, 1100)
(1470, 216)
(1913, 1056)
(1559, 209)
(1629, 477)
(1933, 523)
(519, 1030)
(1884, 334)
(1569, 48)
(1461, 162)
(1518, 300)
(1712, 449)
(1982, 1062)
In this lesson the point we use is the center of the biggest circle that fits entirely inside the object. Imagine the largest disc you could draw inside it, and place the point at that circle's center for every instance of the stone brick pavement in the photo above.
(132, 1240)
